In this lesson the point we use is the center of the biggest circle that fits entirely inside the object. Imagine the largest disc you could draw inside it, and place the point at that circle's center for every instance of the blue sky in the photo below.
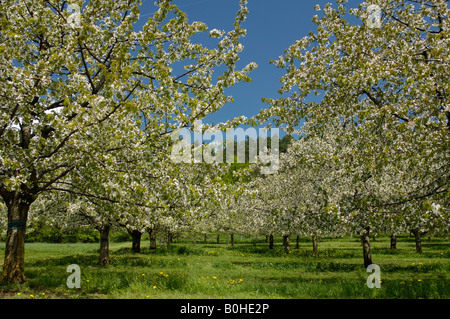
(272, 26)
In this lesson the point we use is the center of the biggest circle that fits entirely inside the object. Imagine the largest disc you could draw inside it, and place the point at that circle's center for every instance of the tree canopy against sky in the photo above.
(85, 97)
(77, 76)
(391, 83)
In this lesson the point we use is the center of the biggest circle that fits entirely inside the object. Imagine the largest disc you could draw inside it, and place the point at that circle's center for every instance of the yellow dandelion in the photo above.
(402, 283)
(154, 287)
(18, 294)
(87, 280)
(214, 277)
(147, 296)
(31, 296)
(143, 275)
(161, 273)
(419, 279)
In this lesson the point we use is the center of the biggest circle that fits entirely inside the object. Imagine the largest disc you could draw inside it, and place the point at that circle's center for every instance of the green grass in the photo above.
(249, 270)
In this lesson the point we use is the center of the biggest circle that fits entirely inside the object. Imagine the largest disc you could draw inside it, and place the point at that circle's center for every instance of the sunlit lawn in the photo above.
(249, 270)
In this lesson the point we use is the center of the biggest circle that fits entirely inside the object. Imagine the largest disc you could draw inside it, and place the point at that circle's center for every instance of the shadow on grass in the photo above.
(162, 251)
(79, 259)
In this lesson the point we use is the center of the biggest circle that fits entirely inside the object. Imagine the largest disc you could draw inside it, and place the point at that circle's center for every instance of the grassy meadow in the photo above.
(247, 270)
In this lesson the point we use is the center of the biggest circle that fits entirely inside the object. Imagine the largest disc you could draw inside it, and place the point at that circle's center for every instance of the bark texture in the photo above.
(314, 242)
(393, 241)
(287, 247)
(104, 244)
(14, 263)
(136, 245)
(418, 238)
(152, 235)
(365, 242)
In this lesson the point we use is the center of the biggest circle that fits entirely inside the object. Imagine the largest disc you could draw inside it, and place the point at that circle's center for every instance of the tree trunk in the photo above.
(314, 242)
(267, 238)
(218, 239)
(14, 264)
(104, 244)
(169, 238)
(136, 246)
(393, 241)
(232, 240)
(417, 237)
(271, 241)
(365, 242)
(164, 238)
(287, 247)
(297, 242)
(152, 235)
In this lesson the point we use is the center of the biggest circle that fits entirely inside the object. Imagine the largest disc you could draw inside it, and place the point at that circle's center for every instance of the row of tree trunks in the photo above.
(365, 242)
(286, 243)
(417, 238)
(217, 239)
(14, 262)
